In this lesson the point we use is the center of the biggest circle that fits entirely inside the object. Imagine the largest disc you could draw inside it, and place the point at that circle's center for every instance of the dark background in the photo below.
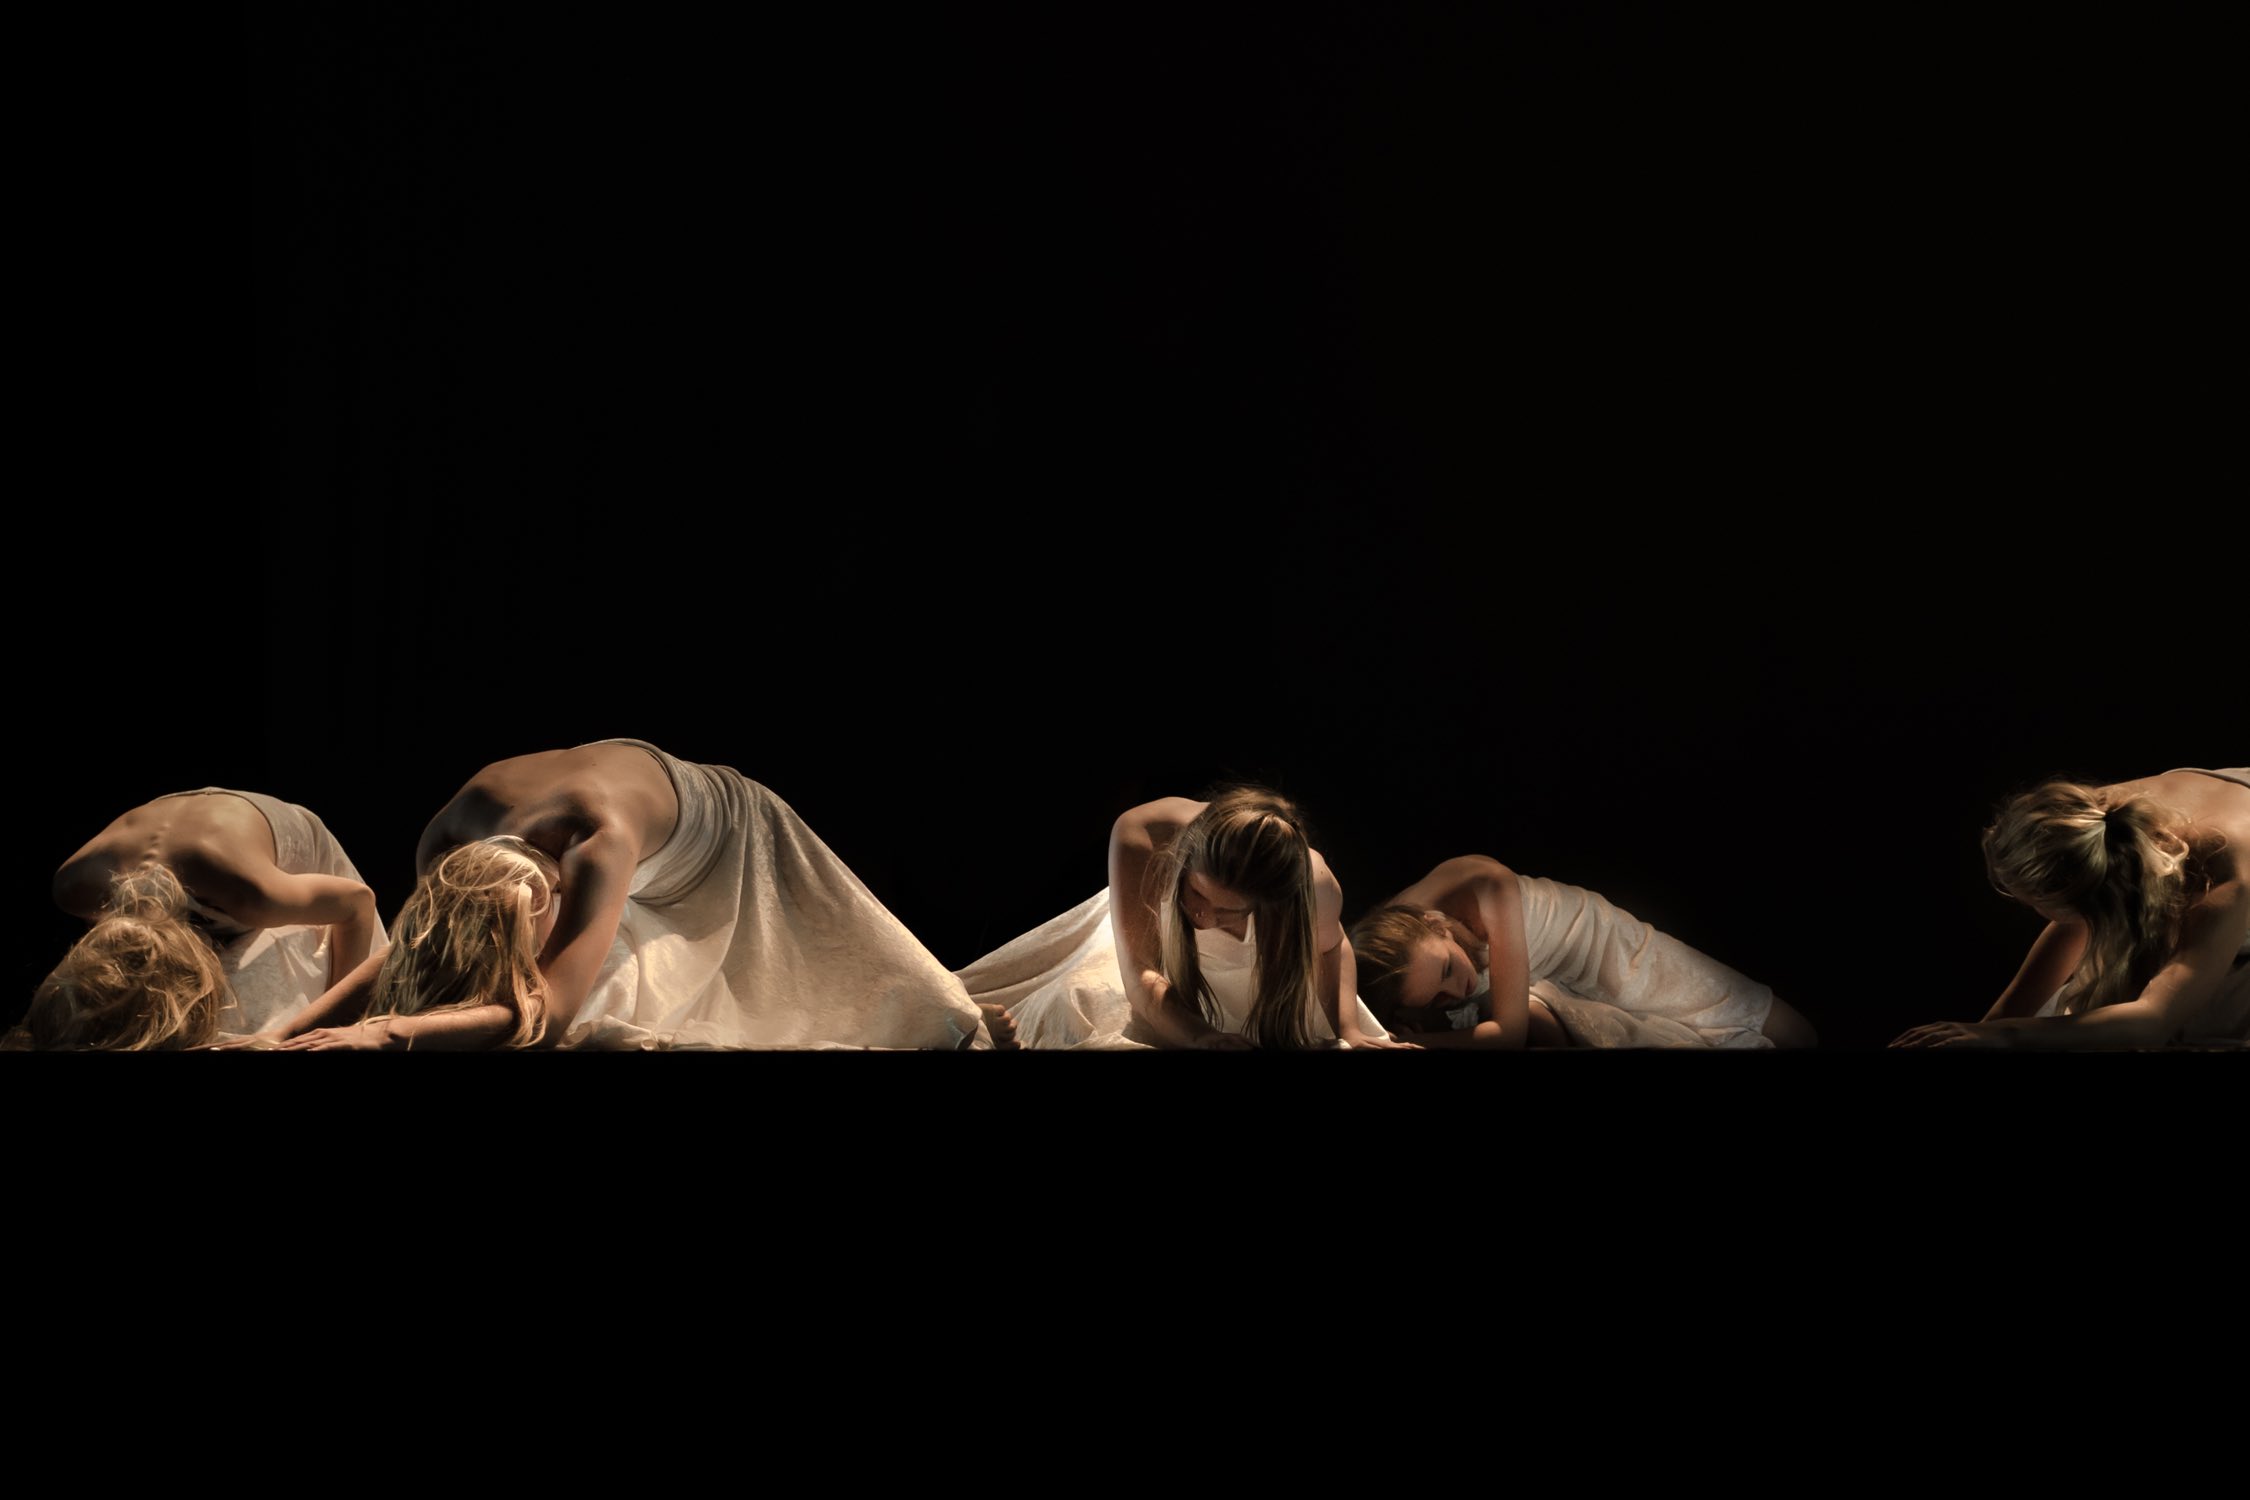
(1705, 460)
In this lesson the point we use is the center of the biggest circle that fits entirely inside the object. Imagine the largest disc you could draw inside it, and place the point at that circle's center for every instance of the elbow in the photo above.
(360, 907)
(2147, 1022)
(1143, 1003)
(1148, 998)
(2164, 1031)
(1130, 830)
(541, 1026)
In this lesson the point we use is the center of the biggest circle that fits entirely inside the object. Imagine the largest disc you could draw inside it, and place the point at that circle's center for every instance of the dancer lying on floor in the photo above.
(1475, 955)
(2145, 889)
(1220, 929)
(613, 895)
(212, 913)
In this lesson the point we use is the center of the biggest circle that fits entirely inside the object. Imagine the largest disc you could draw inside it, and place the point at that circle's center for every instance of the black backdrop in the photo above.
(1704, 462)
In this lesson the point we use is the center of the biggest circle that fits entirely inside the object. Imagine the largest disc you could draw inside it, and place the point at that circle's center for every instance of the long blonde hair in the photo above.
(467, 937)
(143, 979)
(1252, 841)
(2123, 864)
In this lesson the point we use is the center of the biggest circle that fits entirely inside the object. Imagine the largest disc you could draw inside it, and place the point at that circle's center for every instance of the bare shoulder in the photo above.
(472, 813)
(1456, 887)
(1453, 877)
(2190, 791)
(227, 877)
(1157, 821)
(116, 831)
(207, 840)
(620, 787)
(82, 884)
(2219, 807)
(517, 778)
(2225, 906)
(560, 799)
(1471, 868)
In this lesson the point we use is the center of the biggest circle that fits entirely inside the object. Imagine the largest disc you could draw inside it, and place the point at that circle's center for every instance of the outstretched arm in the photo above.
(596, 876)
(473, 1029)
(2166, 1010)
(1133, 842)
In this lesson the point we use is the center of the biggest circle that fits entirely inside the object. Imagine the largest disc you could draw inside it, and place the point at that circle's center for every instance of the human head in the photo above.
(1245, 859)
(2118, 864)
(142, 978)
(471, 935)
(1408, 962)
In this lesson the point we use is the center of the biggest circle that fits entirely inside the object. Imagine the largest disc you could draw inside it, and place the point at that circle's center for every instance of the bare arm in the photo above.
(1484, 894)
(1485, 1036)
(1336, 979)
(341, 1004)
(597, 875)
(2054, 957)
(2165, 1011)
(269, 898)
(338, 1020)
(1133, 842)
(1333, 950)
(345, 1001)
(475, 1029)
(256, 892)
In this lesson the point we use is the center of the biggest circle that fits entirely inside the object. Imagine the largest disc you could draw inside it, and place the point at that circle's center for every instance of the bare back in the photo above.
(599, 810)
(2211, 803)
(2215, 932)
(557, 800)
(211, 841)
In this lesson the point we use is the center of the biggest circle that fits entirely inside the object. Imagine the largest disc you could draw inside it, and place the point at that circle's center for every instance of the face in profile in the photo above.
(1439, 971)
(1207, 904)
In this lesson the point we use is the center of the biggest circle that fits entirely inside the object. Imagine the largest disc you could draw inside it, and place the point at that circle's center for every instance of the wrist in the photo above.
(396, 1033)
